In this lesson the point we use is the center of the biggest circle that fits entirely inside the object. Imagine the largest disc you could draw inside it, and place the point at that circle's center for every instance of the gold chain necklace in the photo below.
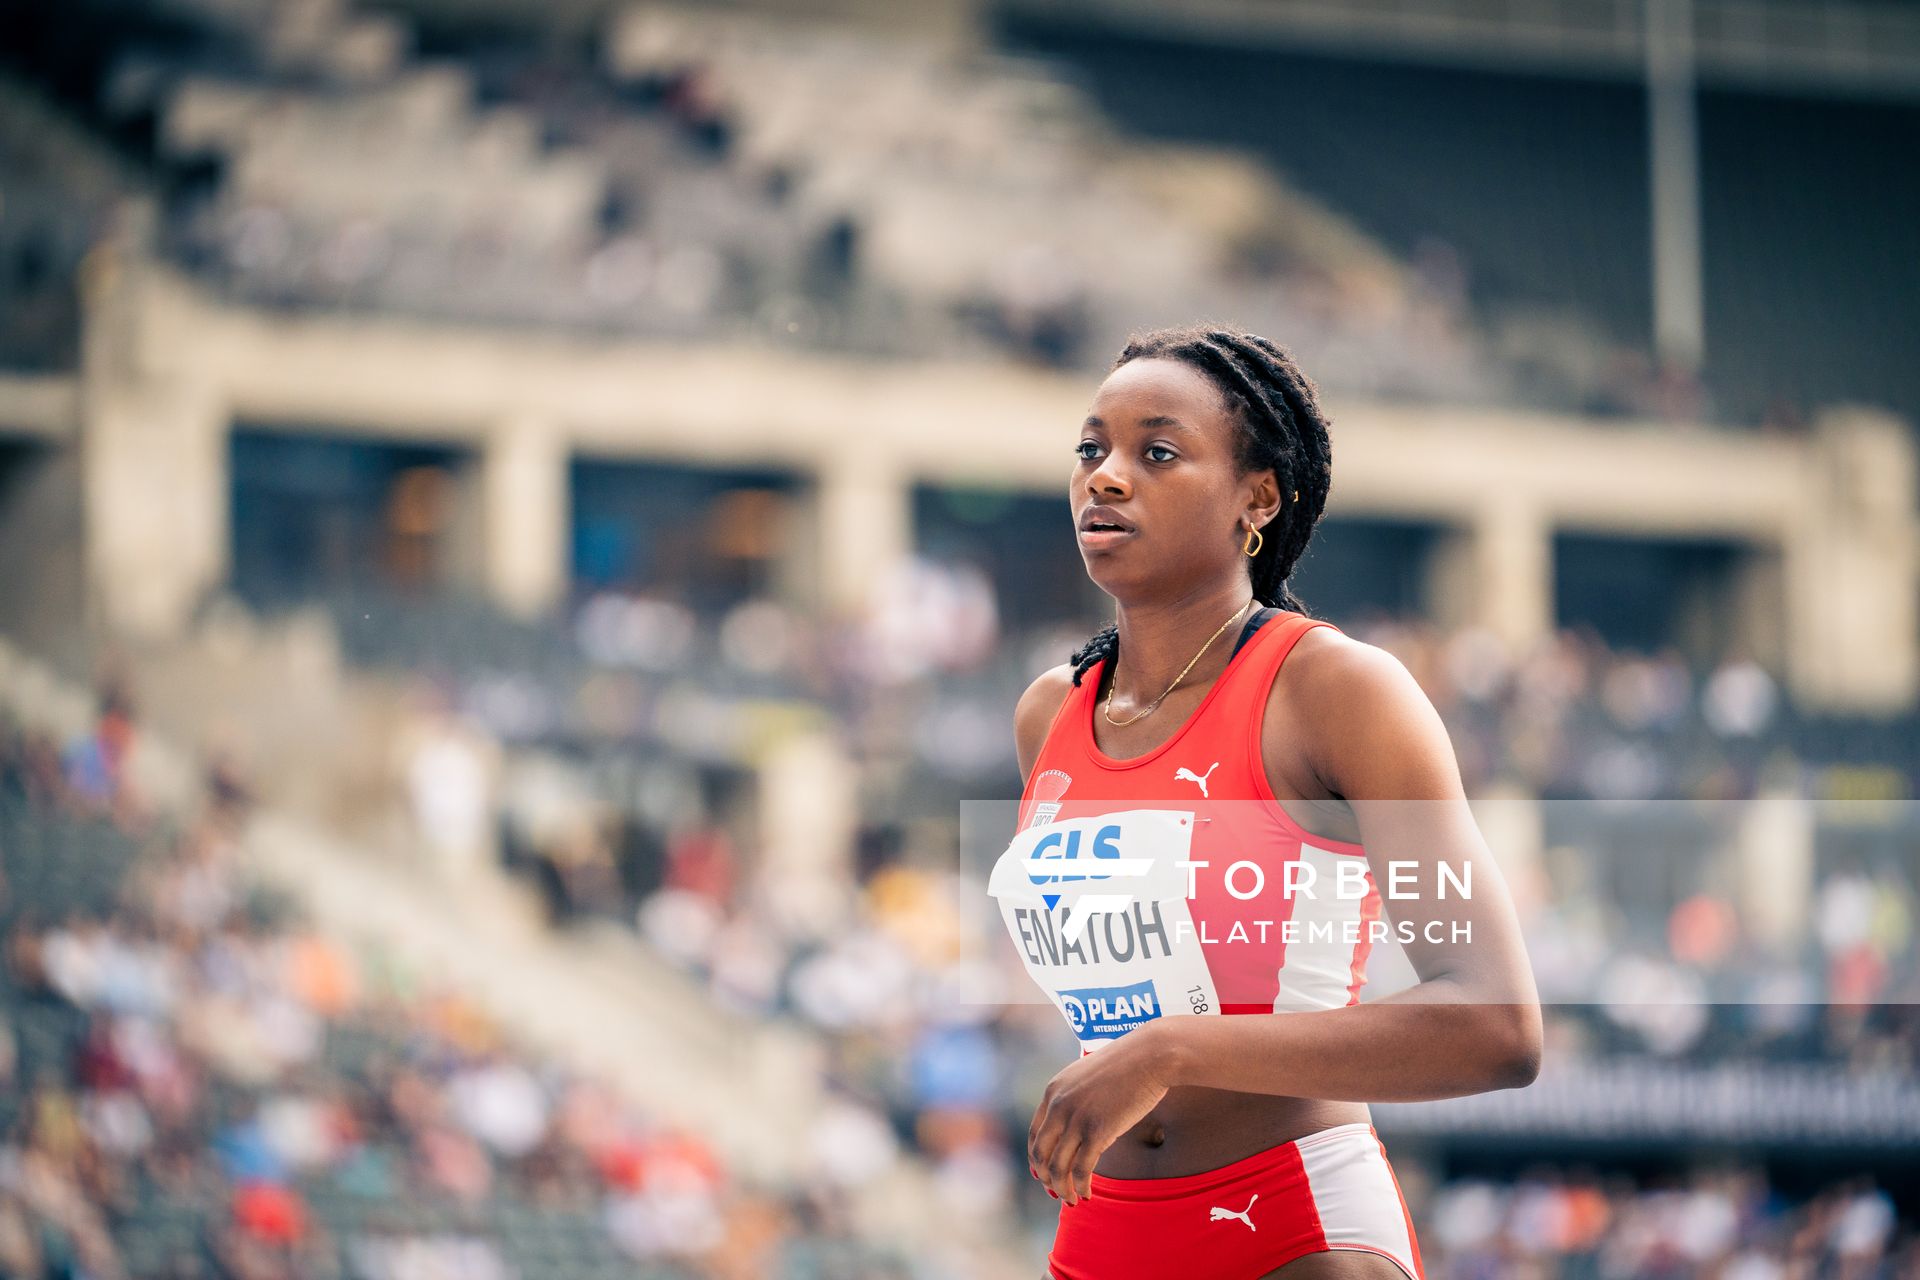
(1108, 709)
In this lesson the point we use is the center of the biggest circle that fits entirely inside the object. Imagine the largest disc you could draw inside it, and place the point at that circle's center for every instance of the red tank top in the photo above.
(1194, 891)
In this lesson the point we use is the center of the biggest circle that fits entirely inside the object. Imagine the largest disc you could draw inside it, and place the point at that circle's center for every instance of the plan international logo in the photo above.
(1107, 1013)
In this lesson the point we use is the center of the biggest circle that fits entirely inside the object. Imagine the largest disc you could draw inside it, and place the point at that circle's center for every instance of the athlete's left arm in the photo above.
(1471, 1024)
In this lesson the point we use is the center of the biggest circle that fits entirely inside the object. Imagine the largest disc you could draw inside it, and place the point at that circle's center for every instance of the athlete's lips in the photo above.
(1104, 519)
(1103, 526)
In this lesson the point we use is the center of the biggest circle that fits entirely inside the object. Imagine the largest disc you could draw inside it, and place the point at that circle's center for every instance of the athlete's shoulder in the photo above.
(1362, 710)
(1331, 675)
(1033, 715)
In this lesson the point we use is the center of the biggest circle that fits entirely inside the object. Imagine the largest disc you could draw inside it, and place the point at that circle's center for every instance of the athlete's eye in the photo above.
(1171, 455)
(1080, 450)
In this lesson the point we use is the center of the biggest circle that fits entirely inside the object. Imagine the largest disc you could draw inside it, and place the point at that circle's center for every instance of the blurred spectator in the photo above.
(96, 764)
(450, 768)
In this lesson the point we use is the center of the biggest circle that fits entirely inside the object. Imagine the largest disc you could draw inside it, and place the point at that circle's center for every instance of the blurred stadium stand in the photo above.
(612, 476)
(214, 1083)
(1508, 143)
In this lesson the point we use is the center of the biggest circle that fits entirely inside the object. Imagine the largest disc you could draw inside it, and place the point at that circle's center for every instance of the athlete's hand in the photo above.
(1089, 1104)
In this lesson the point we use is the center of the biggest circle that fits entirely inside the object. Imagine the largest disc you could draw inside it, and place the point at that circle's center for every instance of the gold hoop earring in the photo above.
(1251, 544)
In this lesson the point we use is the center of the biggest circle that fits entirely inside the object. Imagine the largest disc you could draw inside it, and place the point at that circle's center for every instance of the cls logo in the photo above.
(1077, 860)
(1064, 846)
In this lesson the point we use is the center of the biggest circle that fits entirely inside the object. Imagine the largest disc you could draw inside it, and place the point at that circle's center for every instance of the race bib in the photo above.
(1098, 911)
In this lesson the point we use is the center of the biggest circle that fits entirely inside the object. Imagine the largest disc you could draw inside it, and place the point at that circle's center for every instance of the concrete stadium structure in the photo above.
(134, 466)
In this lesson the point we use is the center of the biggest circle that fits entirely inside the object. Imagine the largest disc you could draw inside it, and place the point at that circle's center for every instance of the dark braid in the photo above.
(1281, 426)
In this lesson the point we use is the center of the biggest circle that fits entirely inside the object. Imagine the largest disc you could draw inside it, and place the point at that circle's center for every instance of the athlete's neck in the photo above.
(1158, 639)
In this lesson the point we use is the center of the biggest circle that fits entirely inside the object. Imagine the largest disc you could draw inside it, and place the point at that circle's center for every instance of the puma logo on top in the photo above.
(1217, 1214)
(1184, 774)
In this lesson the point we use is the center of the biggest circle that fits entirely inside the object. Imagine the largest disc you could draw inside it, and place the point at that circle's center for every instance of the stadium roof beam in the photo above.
(1849, 49)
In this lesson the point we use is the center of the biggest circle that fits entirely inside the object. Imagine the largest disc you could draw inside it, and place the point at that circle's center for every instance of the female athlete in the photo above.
(1240, 1147)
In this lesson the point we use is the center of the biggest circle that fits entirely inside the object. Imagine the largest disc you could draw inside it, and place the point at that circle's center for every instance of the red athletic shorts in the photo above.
(1329, 1190)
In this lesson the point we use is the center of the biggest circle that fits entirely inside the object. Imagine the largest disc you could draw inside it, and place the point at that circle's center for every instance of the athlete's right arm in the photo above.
(1034, 714)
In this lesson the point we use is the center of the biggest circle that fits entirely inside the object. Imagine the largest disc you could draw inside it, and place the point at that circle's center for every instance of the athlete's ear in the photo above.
(1260, 500)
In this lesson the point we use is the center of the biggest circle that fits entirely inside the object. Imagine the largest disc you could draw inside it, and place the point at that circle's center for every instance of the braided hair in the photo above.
(1281, 426)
